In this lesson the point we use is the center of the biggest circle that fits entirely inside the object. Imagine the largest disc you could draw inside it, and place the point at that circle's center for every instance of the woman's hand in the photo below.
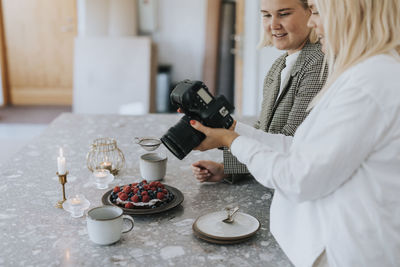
(232, 128)
(215, 137)
(208, 171)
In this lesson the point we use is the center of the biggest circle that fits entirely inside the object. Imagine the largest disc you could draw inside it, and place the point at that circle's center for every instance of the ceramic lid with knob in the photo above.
(212, 225)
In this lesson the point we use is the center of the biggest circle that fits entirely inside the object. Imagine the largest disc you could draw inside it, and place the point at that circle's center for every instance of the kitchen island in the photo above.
(36, 233)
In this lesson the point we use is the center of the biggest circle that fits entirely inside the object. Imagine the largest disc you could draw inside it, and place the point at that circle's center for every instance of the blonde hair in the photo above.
(356, 30)
(265, 38)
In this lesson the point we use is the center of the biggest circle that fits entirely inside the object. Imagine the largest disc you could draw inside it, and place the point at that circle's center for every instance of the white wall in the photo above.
(107, 18)
(112, 75)
(180, 32)
(180, 37)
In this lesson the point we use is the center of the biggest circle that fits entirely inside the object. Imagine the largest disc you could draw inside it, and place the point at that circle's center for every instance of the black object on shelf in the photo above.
(226, 66)
(163, 89)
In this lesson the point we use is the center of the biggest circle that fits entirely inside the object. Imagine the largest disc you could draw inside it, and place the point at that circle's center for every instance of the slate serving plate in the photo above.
(178, 199)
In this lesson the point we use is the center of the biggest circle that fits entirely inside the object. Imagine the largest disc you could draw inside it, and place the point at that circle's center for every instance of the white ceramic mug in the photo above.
(104, 224)
(153, 166)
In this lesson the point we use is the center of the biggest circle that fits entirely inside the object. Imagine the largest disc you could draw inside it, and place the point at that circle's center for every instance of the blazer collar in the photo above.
(305, 52)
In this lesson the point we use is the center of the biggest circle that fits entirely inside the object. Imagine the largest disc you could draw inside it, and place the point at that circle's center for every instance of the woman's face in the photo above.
(286, 23)
(316, 23)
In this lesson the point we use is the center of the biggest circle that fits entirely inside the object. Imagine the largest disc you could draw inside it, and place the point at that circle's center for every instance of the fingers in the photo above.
(198, 126)
(198, 164)
(233, 126)
(201, 173)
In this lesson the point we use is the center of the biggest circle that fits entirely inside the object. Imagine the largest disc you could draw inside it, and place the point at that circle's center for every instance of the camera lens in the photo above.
(181, 138)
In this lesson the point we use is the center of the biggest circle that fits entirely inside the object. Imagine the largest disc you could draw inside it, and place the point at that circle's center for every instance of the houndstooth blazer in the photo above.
(285, 114)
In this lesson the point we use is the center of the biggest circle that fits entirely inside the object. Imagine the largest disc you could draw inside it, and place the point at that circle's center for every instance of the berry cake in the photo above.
(141, 195)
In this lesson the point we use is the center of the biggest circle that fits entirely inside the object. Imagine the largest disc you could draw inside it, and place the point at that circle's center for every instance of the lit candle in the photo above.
(75, 201)
(61, 162)
(102, 178)
(106, 165)
(101, 173)
(76, 205)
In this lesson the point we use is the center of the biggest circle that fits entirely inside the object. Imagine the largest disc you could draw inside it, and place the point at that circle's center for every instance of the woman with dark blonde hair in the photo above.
(337, 181)
(291, 83)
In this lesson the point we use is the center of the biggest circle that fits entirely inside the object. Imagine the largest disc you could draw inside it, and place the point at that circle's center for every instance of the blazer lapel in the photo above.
(271, 90)
(283, 93)
(296, 68)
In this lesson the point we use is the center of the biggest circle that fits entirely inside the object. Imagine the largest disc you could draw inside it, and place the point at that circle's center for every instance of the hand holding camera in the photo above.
(194, 99)
(215, 137)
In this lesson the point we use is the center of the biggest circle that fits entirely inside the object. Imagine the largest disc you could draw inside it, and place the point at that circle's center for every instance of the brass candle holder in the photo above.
(63, 180)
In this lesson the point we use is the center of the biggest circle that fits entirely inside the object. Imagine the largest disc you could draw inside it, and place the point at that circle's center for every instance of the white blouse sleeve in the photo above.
(325, 151)
(277, 142)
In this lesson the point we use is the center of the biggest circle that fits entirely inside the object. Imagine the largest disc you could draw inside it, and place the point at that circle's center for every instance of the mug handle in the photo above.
(129, 218)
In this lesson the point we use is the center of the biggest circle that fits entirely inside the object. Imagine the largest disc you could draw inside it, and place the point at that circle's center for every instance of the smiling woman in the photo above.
(285, 24)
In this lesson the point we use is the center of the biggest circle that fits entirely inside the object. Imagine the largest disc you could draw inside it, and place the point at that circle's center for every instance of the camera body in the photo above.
(194, 99)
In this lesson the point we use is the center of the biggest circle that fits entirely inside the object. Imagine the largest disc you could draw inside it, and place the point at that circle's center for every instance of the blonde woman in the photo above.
(291, 83)
(337, 181)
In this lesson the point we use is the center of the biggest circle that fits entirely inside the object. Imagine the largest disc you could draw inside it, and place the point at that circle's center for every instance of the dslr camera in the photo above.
(194, 99)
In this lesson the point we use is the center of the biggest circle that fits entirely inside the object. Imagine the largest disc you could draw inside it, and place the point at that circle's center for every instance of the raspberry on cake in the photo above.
(127, 189)
(135, 198)
(129, 205)
(123, 196)
(116, 189)
(160, 195)
(146, 198)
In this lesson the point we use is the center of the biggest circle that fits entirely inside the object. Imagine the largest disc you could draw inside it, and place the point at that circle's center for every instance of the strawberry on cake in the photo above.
(141, 195)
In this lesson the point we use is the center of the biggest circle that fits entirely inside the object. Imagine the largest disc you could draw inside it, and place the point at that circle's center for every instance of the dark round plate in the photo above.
(220, 242)
(178, 198)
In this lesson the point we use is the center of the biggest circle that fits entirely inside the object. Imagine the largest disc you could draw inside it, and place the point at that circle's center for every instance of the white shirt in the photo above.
(285, 73)
(337, 181)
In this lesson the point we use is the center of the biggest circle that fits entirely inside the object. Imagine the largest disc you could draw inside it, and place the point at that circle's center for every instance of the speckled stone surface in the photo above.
(35, 233)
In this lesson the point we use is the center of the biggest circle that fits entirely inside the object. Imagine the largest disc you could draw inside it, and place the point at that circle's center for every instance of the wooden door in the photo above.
(210, 72)
(210, 66)
(39, 40)
(239, 32)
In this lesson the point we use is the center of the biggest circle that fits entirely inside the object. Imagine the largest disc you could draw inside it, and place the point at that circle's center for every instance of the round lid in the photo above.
(211, 225)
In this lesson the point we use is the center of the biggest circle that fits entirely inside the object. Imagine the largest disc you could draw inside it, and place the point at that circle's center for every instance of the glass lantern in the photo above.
(104, 154)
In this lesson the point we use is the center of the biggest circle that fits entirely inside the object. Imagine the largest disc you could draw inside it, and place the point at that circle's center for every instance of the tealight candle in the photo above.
(76, 205)
(102, 177)
(106, 165)
(75, 201)
(61, 163)
(101, 173)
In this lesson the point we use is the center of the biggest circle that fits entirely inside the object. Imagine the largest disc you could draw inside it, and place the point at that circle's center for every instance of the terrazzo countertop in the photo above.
(35, 233)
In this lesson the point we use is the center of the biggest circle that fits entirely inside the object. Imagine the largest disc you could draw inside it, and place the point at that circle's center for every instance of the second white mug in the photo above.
(105, 223)
(153, 166)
